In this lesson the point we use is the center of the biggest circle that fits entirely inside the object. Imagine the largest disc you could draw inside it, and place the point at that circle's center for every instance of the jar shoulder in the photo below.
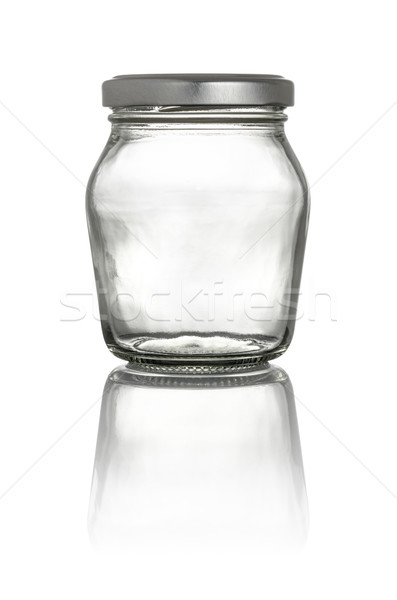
(250, 162)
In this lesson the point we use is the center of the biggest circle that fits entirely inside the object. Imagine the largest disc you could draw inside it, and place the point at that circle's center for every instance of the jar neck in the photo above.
(271, 118)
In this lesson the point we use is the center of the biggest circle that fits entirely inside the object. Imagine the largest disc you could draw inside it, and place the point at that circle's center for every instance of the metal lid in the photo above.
(198, 89)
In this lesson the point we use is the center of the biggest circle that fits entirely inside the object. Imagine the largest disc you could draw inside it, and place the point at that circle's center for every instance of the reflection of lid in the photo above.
(198, 89)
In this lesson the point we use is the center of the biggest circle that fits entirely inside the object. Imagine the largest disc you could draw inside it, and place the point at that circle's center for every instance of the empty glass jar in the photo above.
(197, 213)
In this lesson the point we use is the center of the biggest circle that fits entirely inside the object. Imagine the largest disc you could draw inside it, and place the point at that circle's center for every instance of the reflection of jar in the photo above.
(197, 212)
(211, 459)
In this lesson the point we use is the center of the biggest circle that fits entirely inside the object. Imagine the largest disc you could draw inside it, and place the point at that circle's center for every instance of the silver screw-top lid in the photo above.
(198, 89)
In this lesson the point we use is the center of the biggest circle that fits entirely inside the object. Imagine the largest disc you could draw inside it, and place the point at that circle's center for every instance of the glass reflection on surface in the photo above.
(198, 459)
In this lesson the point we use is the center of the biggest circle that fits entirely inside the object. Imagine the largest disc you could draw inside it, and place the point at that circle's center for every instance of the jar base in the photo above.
(201, 353)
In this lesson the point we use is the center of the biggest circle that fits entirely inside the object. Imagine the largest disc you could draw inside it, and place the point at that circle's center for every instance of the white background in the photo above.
(341, 56)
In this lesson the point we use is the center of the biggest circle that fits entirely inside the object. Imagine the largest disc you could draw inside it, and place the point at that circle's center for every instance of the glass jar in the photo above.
(197, 213)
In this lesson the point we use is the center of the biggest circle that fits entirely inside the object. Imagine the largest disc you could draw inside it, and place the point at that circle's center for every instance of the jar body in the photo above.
(197, 230)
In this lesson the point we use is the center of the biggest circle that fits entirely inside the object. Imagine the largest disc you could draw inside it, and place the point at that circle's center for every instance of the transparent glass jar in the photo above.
(197, 213)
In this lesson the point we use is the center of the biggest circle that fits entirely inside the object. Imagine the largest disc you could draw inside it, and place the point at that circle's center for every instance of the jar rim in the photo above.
(183, 116)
